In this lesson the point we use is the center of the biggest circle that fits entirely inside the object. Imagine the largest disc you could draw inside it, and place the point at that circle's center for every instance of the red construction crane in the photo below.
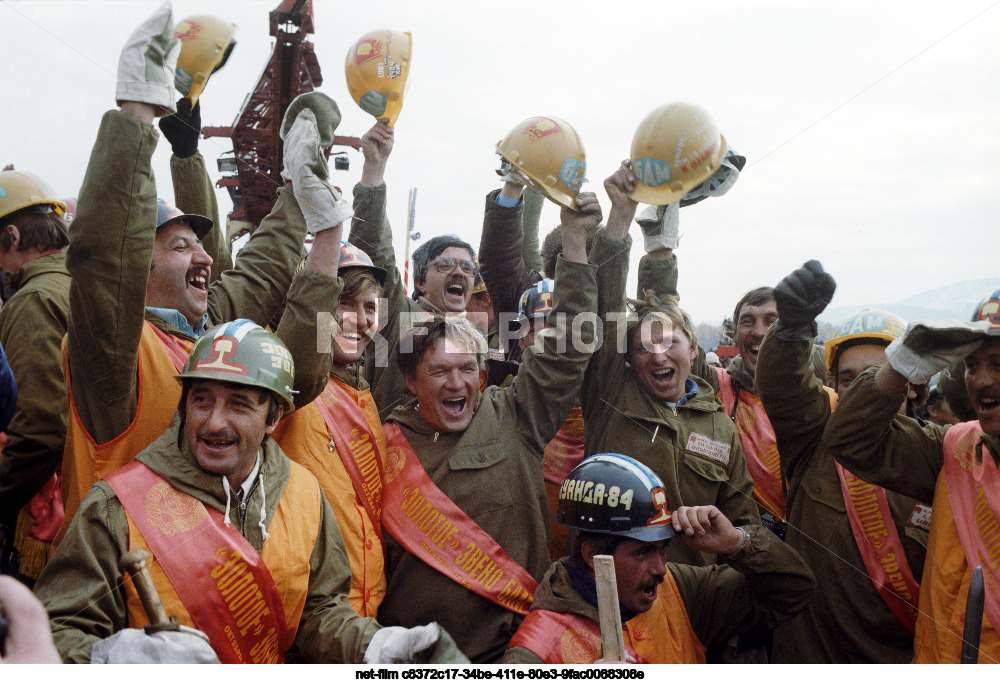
(252, 171)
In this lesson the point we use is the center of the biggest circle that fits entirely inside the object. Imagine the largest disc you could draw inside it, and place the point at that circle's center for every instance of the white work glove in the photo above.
(147, 63)
(305, 165)
(133, 646)
(398, 645)
(928, 347)
(509, 173)
(660, 227)
(720, 182)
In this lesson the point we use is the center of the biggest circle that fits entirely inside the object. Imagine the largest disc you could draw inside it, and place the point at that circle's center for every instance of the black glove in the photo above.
(183, 128)
(800, 297)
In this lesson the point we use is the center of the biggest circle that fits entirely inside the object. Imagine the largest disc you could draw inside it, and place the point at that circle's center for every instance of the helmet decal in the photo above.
(368, 49)
(572, 172)
(652, 172)
(187, 29)
(660, 501)
(223, 348)
(540, 127)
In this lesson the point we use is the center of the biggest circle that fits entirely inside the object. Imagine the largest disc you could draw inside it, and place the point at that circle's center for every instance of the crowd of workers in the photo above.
(203, 462)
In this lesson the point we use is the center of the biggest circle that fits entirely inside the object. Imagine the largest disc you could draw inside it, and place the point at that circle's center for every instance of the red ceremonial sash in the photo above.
(565, 450)
(221, 579)
(178, 351)
(431, 527)
(880, 546)
(563, 638)
(760, 447)
(356, 446)
(974, 492)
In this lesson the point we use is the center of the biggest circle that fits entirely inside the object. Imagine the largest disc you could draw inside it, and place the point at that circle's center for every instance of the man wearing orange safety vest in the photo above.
(245, 549)
(670, 612)
(864, 544)
(141, 289)
(955, 467)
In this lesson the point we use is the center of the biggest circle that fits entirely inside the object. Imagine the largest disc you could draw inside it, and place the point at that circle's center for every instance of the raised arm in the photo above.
(796, 403)
(765, 583)
(548, 382)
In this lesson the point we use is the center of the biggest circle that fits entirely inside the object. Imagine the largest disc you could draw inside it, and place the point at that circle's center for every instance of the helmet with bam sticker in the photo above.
(378, 72)
(243, 352)
(206, 43)
(550, 155)
(877, 327)
(614, 494)
(674, 149)
(989, 310)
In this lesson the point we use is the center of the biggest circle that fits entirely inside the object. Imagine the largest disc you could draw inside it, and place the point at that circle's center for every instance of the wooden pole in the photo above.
(612, 641)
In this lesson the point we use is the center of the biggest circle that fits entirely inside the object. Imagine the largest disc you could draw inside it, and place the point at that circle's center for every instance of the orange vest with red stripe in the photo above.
(84, 460)
(947, 575)
(293, 531)
(760, 447)
(305, 439)
(662, 635)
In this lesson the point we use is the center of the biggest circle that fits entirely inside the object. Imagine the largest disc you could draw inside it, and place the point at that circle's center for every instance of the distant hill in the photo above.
(950, 301)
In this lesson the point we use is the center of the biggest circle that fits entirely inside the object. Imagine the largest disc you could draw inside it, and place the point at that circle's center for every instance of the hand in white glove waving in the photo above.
(306, 167)
(134, 646)
(928, 347)
(660, 227)
(147, 63)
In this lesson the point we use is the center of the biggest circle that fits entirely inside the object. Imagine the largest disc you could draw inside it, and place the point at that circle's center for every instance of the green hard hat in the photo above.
(243, 352)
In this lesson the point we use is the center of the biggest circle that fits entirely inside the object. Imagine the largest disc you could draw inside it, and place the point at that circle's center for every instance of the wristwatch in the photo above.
(744, 546)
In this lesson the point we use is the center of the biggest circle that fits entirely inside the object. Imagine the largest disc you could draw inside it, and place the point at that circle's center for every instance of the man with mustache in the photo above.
(244, 546)
(955, 467)
(141, 289)
(444, 271)
(670, 612)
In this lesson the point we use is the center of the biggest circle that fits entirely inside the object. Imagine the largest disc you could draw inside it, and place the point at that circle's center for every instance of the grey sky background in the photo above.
(870, 128)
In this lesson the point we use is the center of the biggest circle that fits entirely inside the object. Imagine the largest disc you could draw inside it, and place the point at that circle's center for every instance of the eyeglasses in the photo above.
(447, 264)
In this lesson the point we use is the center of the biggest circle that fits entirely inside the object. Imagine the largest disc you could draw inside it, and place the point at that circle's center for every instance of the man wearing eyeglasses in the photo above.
(444, 273)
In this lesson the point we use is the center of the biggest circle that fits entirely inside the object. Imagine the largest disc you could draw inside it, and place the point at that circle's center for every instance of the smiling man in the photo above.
(639, 394)
(217, 504)
(955, 467)
(444, 272)
(142, 289)
(670, 612)
(464, 498)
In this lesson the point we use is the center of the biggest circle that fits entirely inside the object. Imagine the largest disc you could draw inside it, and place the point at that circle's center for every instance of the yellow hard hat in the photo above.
(550, 155)
(674, 149)
(20, 189)
(206, 42)
(878, 327)
(378, 70)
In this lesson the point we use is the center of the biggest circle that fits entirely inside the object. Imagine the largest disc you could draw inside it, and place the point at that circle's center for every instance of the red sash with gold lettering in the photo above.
(208, 563)
(565, 450)
(880, 546)
(760, 447)
(974, 492)
(355, 444)
(431, 527)
(563, 638)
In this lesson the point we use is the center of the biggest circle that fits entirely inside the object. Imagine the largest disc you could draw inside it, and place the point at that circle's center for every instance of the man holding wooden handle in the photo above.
(670, 612)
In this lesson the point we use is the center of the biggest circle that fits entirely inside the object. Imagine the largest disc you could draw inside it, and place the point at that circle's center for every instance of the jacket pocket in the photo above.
(706, 469)
(482, 477)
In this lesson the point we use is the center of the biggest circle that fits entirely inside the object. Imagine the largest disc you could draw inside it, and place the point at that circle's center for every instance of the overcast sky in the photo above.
(870, 128)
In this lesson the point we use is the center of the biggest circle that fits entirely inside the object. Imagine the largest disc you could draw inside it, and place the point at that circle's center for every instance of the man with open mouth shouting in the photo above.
(464, 497)
(142, 289)
(955, 467)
